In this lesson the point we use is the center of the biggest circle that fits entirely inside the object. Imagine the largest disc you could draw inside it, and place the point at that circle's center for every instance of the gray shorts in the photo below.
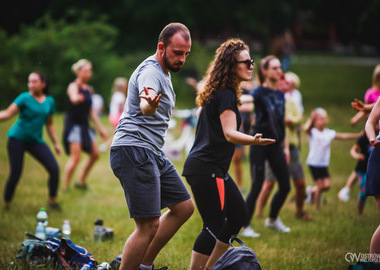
(150, 181)
(75, 134)
(295, 166)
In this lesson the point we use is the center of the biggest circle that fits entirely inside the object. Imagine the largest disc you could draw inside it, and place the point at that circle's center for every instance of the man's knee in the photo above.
(147, 226)
(184, 209)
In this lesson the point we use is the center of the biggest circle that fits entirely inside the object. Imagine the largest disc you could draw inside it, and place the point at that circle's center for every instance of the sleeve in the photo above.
(20, 100)
(149, 77)
(331, 134)
(53, 108)
(226, 100)
(367, 96)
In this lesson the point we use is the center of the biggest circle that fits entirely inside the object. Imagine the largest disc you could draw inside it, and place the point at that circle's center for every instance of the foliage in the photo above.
(52, 47)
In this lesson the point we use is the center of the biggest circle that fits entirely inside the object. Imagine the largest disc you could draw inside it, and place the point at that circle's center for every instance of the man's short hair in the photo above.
(171, 29)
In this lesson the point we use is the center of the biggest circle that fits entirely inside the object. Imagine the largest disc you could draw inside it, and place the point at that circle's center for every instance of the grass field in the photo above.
(330, 82)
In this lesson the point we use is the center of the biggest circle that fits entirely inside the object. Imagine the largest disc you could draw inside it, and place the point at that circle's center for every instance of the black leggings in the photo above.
(39, 151)
(276, 158)
(222, 223)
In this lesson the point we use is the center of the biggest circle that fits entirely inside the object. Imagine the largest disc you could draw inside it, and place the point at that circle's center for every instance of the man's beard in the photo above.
(170, 66)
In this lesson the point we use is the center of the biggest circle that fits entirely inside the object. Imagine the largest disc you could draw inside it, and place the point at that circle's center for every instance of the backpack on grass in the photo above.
(238, 258)
(53, 252)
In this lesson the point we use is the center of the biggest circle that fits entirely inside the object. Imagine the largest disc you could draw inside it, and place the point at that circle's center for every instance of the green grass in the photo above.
(330, 82)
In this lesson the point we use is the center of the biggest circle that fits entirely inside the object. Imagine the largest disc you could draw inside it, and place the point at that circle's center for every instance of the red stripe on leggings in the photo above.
(220, 185)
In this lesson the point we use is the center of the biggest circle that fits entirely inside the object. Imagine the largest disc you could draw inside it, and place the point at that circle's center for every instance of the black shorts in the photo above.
(319, 172)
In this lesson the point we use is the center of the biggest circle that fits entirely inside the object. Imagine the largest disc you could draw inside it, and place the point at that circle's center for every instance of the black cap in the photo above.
(99, 222)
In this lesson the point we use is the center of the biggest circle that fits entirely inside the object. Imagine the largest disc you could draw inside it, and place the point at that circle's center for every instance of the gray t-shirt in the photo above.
(134, 128)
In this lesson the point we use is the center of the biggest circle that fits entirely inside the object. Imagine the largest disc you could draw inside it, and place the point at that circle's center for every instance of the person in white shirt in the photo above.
(318, 159)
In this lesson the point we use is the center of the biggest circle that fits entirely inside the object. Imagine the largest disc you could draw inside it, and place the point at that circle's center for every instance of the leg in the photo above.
(235, 216)
(170, 222)
(257, 157)
(375, 241)
(280, 169)
(218, 251)
(72, 163)
(351, 180)
(43, 154)
(94, 156)
(198, 260)
(16, 151)
(138, 242)
(266, 190)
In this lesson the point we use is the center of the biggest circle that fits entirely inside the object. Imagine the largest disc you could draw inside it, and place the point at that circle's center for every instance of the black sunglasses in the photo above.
(248, 62)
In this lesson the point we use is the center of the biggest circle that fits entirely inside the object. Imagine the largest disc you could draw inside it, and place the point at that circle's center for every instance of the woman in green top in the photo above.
(36, 109)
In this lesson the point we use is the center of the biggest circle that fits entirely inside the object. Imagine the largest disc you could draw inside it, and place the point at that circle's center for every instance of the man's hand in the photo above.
(152, 101)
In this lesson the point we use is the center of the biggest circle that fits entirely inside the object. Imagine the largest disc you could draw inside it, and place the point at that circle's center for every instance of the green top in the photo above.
(32, 118)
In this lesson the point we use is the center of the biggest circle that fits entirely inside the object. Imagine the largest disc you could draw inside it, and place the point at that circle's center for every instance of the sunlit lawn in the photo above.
(321, 244)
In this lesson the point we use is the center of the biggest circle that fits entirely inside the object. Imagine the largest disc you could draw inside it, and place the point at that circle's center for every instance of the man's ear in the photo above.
(161, 46)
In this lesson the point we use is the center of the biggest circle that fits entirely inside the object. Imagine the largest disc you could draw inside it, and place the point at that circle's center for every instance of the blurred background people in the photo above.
(36, 108)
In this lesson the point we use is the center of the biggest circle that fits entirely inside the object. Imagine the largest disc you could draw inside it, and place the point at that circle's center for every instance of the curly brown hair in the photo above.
(221, 72)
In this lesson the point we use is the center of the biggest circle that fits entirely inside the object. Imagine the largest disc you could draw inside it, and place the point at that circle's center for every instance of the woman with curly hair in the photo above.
(218, 199)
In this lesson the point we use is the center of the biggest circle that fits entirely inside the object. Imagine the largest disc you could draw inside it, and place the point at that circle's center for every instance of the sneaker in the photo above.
(344, 194)
(277, 225)
(103, 148)
(309, 195)
(53, 206)
(80, 186)
(249, 232)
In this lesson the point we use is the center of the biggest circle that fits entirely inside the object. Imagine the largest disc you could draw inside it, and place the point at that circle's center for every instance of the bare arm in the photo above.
(229, 126)
(372, 120)
(360, 106)
(357, 117)
(355, 152)
(149, 101)
(98, 125)
(9, 112)
(348, 136)
(74, 95)
(52, 134)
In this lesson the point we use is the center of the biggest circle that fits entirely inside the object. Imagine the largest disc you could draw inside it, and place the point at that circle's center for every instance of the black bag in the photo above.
(238, 258)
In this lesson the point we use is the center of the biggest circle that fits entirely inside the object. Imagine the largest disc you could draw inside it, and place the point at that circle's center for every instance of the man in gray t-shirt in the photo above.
(149, 180)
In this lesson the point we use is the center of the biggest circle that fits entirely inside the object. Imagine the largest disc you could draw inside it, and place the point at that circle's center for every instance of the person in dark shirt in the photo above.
(217, 197)
(269, 103)
(77, 134)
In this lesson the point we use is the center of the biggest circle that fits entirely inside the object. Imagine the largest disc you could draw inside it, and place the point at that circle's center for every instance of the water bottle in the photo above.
(103, 266)
(98, 231)
(87, 266)
(42, 221)
(66, 229)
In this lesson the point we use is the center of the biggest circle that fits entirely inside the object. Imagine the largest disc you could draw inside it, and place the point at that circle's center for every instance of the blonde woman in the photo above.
(78, 136)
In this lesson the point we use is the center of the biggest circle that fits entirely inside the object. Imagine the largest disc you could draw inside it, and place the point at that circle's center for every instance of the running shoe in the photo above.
(277, 225)
(344, 194)
(249, 232)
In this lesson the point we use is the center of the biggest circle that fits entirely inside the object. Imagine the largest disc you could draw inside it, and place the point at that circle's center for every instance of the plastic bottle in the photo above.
(66, 229)
(42, 221)
(98, 231)
(104, 266)
(87, 266)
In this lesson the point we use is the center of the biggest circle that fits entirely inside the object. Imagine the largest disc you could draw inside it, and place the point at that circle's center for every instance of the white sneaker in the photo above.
(103, 148)
(249, 232)
(309, 194)
(344, 194)
(277, 225)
